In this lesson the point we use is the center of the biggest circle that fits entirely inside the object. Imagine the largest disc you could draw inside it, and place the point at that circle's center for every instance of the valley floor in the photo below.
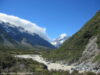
(58, 66)
(50, 65)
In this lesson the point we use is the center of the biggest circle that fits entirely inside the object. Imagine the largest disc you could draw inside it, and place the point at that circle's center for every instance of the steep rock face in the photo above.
(86, 62)
(90, 51)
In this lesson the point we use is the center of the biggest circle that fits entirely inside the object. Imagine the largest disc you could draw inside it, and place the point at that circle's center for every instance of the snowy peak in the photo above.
(62, 36)
(60, 40)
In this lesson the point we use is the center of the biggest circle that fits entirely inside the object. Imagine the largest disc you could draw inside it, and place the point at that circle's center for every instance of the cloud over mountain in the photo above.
(27, 25)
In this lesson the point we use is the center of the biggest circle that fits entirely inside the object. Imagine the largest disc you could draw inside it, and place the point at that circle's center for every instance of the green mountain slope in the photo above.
(6, 40)
(72, 49)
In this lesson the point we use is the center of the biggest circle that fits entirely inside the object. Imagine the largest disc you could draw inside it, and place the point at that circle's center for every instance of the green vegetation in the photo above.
(8, 63)
(97, 58)
(20, 51)
(72, 49)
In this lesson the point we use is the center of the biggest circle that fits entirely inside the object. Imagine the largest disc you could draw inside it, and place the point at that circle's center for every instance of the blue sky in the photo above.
(57, 16)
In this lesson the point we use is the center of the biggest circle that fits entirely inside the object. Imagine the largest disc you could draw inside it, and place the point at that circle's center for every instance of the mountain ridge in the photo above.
(23, 38)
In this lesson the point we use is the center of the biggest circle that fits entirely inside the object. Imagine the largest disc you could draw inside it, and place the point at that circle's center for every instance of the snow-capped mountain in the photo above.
(25, 24)
(60, 40)
(22, 32)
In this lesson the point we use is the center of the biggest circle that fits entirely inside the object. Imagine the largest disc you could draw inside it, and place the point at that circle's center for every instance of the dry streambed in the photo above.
(57, 66)
(50, 65)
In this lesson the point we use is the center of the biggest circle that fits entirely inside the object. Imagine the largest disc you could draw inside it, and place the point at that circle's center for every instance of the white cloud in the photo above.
(27, 25)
